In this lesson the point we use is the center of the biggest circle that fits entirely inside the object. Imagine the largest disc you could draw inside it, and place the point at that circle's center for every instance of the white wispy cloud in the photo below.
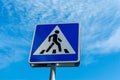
(14, 45)
(108, 45)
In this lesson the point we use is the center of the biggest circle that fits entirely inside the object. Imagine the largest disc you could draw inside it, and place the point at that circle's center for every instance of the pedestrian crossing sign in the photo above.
(55, 43)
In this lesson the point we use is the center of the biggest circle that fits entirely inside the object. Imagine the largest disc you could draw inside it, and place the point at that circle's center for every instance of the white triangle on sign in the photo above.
(64, 44)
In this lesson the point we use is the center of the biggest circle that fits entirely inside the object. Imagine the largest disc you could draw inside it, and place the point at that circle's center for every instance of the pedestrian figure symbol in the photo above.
(55, 43)
(55, 40)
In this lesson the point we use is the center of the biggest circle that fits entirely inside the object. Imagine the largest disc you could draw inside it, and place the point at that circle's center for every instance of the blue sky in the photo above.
(100, 48)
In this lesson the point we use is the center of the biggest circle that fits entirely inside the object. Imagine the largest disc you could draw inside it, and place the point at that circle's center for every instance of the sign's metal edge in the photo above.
(32, 43)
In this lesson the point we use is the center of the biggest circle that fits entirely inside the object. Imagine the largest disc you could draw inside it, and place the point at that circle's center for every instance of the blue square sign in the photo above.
(56, 43)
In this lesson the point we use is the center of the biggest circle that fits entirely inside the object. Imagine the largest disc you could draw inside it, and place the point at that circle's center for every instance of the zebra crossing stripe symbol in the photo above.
(55, 43)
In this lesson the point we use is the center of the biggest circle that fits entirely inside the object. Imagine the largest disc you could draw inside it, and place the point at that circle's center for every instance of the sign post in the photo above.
(55, 45)
(53, 72)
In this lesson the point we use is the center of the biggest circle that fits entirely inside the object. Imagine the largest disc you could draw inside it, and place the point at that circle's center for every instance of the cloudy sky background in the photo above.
(100, 38)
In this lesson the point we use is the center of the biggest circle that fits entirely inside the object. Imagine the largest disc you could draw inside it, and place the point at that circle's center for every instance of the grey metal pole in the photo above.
(53, 72)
